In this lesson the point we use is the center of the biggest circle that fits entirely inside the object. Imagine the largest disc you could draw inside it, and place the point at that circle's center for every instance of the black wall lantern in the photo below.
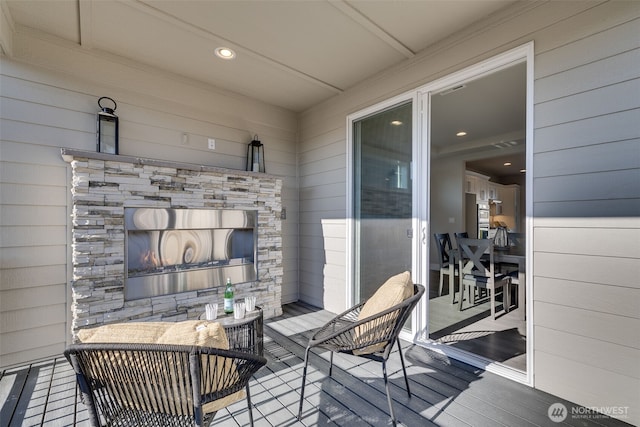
(255, 155)
(107, 128)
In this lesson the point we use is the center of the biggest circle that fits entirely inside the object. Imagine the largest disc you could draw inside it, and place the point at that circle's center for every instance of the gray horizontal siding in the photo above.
(33, 294)
(596, 102)
(605, 157)
(589, 131)
(587, 218)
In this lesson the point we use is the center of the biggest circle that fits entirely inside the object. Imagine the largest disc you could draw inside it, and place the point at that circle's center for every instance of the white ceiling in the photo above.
(293, 54)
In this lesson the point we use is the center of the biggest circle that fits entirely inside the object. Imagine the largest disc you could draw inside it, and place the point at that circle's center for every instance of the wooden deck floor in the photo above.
(445, 392)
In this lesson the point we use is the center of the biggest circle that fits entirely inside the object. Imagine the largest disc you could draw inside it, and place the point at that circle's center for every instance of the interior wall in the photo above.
(447, 201)
(49, 100)
(585, 248)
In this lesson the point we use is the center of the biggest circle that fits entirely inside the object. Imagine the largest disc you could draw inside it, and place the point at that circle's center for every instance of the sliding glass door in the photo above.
(382, 197)
(453, 156)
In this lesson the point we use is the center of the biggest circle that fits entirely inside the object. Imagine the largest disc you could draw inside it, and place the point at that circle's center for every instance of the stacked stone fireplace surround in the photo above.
(103, 185)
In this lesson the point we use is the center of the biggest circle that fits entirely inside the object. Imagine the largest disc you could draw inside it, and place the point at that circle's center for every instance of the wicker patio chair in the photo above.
(372, 337)
(159, 384)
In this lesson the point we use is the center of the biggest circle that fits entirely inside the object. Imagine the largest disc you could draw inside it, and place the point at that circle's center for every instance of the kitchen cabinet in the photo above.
(507, 212)
(477, 184)
(470, 184)
(494, 191)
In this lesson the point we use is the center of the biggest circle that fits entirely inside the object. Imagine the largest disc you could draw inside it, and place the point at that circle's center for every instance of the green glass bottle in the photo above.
(228, 297)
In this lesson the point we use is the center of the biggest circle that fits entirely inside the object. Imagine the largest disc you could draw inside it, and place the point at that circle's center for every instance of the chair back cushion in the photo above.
(394, 291)
(200, 333)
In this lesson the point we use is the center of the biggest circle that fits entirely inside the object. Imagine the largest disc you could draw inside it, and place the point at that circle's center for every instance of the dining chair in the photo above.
(477, 270)
(516, 240)
(447, 262)
(461, 235)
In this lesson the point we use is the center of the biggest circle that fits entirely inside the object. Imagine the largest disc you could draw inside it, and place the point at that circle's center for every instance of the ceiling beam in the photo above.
(6, 29)
(85, 11)
(372, 27)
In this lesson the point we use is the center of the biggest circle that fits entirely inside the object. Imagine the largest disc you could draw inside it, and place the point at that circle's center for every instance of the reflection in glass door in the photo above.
(382, 197)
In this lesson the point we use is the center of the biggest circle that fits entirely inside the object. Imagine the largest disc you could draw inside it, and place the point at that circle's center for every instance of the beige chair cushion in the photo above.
(200, 333)
(395, 290)
(191, 332)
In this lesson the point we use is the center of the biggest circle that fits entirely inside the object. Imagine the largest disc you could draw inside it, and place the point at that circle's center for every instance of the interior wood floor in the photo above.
(502, 340)
(444, 392)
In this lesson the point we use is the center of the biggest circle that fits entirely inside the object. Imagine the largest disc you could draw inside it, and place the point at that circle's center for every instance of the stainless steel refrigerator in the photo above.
(476, 217)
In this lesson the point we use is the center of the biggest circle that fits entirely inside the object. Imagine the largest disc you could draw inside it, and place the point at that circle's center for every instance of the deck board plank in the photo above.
(445, 392)
(36, 393)
(63, 408)
(17, 383)
(11, 386)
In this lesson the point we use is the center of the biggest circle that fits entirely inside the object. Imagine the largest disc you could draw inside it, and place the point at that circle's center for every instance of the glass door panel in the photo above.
(382, 197)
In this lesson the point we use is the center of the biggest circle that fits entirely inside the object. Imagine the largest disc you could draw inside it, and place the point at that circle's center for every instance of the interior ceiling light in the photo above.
(396, 123)
(523, 170)
(225, 53)
(461, 133)
(507, 163)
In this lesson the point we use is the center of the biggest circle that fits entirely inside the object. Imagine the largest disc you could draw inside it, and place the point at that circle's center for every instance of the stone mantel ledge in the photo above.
(68, 154)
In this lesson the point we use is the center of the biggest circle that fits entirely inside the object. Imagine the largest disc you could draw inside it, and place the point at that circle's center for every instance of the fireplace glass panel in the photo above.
(157, 252)
(177, 250)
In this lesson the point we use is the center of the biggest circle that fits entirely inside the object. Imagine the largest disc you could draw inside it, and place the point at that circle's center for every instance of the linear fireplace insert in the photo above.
(176, 250)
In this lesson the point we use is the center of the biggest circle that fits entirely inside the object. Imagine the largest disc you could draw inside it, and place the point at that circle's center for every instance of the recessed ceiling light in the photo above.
(396, 123)
(507, 163)
(461, 133)
(523, 170)
(225, 53)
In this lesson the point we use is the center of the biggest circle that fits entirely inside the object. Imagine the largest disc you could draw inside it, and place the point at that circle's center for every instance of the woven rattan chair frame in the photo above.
(158, 385)
(346, 334)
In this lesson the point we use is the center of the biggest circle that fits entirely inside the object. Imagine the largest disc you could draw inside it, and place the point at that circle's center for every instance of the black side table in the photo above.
(244, 334)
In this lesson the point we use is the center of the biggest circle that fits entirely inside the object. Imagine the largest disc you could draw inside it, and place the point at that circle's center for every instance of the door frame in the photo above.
(524, 53)
(420, 172)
